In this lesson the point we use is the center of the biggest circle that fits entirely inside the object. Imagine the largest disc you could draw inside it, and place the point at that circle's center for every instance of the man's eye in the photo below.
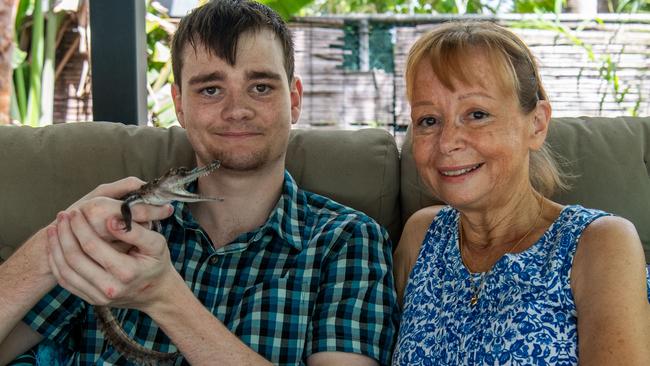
(210, 91)
(262, 88)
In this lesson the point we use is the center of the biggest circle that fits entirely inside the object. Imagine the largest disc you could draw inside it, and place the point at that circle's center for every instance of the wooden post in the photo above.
(119, 61)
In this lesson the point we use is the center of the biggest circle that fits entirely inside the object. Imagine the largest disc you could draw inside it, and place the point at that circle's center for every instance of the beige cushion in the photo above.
(609, 156)
(46, 169)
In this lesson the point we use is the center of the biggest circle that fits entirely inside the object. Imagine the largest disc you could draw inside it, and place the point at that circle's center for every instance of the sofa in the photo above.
(46, 169)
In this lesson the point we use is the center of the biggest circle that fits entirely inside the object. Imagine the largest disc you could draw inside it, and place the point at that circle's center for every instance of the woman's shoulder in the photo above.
(410, 242)
(416, 228)
(609, 249)
(609, 237)
(424, 217)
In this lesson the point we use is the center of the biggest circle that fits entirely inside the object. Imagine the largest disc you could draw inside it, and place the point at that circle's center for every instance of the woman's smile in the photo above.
(459, 171)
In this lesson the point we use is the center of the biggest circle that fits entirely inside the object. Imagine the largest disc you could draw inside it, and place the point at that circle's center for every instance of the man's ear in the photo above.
(541, 120)
(296, 99)
(178, 104)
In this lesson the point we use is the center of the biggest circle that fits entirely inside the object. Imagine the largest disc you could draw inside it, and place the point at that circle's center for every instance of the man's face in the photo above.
(241, 114)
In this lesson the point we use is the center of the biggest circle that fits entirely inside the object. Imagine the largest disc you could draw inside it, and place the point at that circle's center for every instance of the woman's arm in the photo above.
(610, 290)
(409, 247)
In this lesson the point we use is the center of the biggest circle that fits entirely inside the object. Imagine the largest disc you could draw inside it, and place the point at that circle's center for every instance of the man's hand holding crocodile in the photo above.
(104, 274)
(120, 263)
(27, 276)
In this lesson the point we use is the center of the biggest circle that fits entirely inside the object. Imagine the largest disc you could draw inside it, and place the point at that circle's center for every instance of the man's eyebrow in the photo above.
(256, 75)
(205, 78)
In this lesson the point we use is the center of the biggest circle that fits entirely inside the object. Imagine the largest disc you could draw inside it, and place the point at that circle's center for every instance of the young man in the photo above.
(271, 274)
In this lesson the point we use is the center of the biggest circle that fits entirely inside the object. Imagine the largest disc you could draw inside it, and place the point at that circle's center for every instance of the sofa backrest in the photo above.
(45, 169)
(609, 159)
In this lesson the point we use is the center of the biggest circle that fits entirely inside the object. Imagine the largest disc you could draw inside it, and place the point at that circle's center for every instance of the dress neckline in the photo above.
(531, 250)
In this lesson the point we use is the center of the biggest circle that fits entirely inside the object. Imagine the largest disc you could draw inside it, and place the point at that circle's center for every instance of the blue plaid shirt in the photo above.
(315, 277)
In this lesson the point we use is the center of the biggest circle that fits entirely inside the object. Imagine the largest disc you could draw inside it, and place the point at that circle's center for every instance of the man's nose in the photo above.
(237, 107)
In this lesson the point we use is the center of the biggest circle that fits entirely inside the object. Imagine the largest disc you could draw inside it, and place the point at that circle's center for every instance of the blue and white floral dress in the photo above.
(525, 315)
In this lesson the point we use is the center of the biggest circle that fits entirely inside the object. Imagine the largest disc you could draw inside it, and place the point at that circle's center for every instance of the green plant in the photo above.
(33, 62)
(159, 29)
(286, 9)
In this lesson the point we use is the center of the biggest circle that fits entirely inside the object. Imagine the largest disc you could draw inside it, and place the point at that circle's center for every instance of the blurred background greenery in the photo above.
(39, 26)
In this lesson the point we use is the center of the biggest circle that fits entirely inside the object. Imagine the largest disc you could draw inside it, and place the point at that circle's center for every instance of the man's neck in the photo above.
(248, 199)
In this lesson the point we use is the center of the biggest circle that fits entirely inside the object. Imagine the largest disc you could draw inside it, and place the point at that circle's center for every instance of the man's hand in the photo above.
(92, 256)
(28, 274)
(97, 205)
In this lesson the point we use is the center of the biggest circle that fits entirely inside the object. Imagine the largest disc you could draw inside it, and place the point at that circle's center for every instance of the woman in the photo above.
(503, 275)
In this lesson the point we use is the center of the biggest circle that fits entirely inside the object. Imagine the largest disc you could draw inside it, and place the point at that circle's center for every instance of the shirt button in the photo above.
(214, 259)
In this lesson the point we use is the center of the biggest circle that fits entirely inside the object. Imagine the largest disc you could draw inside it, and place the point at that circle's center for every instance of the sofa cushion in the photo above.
(608, 157)
(46, 169)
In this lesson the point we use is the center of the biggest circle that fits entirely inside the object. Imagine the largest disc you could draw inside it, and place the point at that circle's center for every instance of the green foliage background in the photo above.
(36, 29)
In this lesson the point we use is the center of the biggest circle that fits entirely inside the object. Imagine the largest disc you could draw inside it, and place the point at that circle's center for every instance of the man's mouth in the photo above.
(458, 172)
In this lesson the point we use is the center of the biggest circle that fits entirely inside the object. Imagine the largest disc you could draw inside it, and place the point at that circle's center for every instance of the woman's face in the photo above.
(471, 145)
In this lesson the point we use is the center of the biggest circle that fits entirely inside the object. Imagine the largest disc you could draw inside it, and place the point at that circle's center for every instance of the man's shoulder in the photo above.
(325, 209)
(341, 225)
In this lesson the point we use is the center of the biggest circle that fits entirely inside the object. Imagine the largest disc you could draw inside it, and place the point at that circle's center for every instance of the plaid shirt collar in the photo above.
(292, 199)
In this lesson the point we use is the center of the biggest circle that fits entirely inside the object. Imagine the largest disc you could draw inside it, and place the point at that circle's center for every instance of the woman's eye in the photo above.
(479, 115)
(427, 121)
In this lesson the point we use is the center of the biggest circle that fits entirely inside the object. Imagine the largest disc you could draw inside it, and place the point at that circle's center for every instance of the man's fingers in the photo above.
(109, 258)
(99, 210)
(118, 188)
(65, 275)
(144, 213)
(149, 243)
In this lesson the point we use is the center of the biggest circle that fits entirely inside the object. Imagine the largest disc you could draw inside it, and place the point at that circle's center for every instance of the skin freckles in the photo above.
(475, 127)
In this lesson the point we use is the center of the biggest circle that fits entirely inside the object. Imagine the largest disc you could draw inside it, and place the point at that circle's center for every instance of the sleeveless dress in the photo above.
(525, 314)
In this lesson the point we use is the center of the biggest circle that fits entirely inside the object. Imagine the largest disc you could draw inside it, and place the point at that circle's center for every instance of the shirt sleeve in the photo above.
(356, 309)
(55, 315)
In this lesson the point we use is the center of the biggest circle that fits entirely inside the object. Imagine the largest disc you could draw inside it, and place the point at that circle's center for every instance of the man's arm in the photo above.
(144, 279)
(26, 276)
(355, 319)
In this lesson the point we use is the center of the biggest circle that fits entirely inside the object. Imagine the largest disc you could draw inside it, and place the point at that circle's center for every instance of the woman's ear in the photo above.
(541, 120)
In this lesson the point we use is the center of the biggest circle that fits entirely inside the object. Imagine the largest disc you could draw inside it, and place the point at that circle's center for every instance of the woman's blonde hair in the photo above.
(449, 45)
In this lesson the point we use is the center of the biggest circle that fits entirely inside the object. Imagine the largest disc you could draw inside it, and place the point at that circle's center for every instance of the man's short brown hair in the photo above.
(217, 26)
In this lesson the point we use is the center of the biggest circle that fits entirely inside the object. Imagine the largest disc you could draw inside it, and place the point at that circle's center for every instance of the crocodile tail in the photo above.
(129, 348)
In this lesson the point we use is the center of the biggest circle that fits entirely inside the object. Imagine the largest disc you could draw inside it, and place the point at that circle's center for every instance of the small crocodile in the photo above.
(170, 187)
(160, 191)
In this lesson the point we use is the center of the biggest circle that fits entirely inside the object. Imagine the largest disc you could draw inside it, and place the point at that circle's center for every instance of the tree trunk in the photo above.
(6, 42)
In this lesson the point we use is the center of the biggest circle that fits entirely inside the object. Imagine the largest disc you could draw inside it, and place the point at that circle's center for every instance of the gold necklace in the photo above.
(476, 289)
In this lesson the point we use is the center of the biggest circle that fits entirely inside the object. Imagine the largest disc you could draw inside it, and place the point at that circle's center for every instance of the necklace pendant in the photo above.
(473, 300)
